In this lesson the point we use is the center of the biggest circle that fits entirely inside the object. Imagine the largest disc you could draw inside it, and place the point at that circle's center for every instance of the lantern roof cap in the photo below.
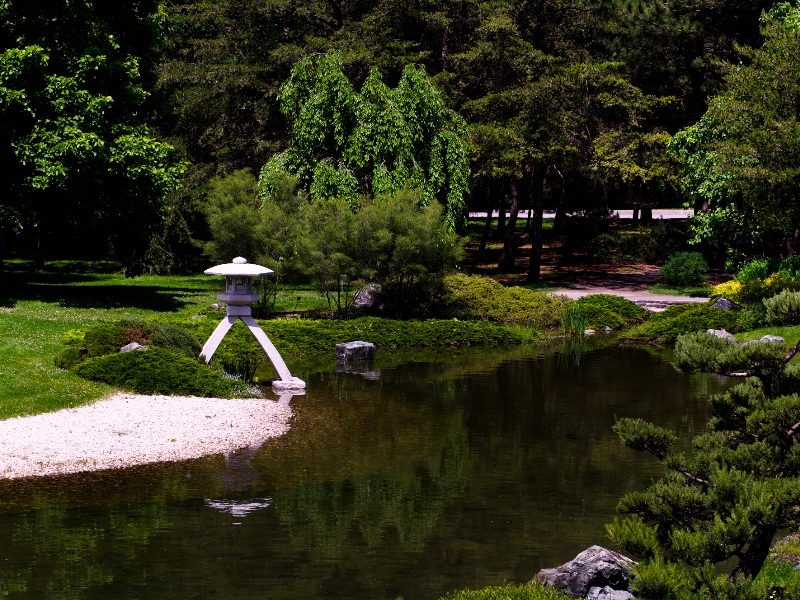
(238, 267)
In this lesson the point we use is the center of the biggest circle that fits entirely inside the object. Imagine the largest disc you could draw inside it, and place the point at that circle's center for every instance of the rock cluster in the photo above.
(596, 574)
(767, 339)
(355, 351)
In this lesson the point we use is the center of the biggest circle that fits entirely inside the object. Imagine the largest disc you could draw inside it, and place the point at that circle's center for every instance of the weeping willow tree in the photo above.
(346, 144)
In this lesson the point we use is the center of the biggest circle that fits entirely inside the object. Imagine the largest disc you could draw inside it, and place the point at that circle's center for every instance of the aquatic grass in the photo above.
(573, 321)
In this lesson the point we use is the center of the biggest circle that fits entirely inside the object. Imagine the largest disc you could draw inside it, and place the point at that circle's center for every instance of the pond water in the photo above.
(425, 473)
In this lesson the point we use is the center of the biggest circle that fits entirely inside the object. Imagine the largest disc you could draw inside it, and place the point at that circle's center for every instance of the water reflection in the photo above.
(446, 470)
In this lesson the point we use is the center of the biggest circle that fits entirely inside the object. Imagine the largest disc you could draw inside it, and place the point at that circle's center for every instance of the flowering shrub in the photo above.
(754, 289)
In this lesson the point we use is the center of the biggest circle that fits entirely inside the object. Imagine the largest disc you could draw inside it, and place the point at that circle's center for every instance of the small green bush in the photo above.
(68, 358)
(160, 371)
(74, 338)
(477, 298)
(783, 308)
(105, 339)
(760, 268)
(752, 316)
(684, 318)
(684, 269)
(508, 592)
(789, 267)
(603, 310)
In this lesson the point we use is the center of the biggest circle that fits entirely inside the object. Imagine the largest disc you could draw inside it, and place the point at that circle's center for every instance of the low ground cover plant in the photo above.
(684, 318)
(684, 269)
(759, 279)
(161, 371)
(478, 298)
(604, 310)
(170, 363)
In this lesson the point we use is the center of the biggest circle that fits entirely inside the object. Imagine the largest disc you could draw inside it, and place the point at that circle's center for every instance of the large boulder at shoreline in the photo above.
(595, 567)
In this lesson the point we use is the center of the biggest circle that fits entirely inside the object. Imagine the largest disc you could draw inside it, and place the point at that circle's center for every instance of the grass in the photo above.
(702, 291)
(790, 333)
(508, 592)
(38, 309)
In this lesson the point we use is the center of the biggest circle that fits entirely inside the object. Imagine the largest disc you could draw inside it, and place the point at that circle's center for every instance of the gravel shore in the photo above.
(128, 430)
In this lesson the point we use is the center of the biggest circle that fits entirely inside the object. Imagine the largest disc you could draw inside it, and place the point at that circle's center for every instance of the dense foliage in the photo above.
(684, 318)
(160, 371)
(82, 172)
(603, 310)
(477, 298)
(684, 269)
(729, 498)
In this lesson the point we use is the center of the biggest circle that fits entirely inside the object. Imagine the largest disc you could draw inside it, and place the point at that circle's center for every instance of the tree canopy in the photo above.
(80, 162)
(346, 144)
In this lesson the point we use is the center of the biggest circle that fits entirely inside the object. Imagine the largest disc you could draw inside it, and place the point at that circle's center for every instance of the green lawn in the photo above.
(38, 308)
(789, 333)
(695, 291)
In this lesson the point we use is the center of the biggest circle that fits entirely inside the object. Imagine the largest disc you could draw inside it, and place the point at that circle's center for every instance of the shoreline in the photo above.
(129, 430)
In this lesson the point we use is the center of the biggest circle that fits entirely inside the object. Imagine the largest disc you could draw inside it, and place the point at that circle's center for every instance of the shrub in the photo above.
(68, 358)
(684, 318)
(684, 269)
(160, 371)
(73, 337)
(783, 308)
(478, 298)
(752, 316)
(294, 337)
(508, 592)
(789, 268)
(105, 339)
(603, 310)
(755, 269)
(108, 339)
(754, 290)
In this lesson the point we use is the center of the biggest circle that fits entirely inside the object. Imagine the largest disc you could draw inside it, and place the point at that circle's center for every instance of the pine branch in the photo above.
(792, 352)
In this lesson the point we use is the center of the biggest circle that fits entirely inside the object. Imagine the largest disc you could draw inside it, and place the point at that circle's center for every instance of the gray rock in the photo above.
(594, 567)
(607, 593)
(771, 339)
(132, 346)
(368, 297)
(721, 333)
(216, 306)
(725, 304)
(355, 351)
(607, 329)
(588, 332)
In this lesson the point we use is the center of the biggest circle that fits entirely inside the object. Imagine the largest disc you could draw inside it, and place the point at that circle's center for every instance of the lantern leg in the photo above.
(269, 348)
(213, 342)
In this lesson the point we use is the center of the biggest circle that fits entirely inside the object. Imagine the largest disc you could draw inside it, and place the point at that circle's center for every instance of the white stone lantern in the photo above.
(238, 297)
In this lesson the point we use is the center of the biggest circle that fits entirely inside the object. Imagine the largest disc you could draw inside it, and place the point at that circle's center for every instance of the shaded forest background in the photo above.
(570, 103)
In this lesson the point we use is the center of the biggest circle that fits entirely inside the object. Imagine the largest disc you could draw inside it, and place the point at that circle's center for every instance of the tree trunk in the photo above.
(750, 564)
(509, 246)
(537, 200)
(791, 243)
(635, 217)
(501, 211)
(647, 215)
(38, 258)
(700, 206)
(487, 229)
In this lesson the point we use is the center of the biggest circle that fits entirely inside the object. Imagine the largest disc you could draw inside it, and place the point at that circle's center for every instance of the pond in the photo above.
(426, 473)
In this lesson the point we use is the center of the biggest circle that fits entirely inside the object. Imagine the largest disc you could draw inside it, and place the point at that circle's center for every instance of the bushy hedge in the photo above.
(684, 318)
(478, 298)
(603, 310)
(295, 337)
(783, 308)
(684, 269)
(160, 371)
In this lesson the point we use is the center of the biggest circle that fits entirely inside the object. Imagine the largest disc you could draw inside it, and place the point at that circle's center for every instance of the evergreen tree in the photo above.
(739, 487)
